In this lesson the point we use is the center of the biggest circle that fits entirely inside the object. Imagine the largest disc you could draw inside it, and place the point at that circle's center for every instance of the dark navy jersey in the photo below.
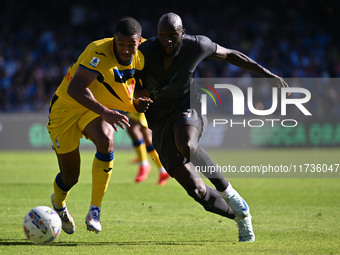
(170, 89)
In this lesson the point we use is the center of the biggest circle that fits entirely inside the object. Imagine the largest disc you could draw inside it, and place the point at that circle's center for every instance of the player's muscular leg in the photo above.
(186, 138)
(147, 136)
(101, 133)
(208, 197)
(69, 165)
(135, 130)
(190, 181)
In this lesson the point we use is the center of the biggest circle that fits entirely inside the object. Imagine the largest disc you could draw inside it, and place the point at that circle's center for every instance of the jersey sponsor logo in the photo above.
(131, 88)
(94, 62)
(122, 76)
(100, 53)
(153, 86)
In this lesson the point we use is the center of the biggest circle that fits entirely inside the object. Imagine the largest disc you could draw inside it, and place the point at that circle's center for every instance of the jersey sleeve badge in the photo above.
(94, 62)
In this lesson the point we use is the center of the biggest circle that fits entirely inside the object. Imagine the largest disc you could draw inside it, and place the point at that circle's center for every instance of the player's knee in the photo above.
(105, 144)
(187, 148)
(73, 181)
(184, 149)
(193, 148)
(70, 180)
(197, 193)
(133, 130)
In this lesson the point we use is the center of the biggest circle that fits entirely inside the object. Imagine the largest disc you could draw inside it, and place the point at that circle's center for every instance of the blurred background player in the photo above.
(142, 142)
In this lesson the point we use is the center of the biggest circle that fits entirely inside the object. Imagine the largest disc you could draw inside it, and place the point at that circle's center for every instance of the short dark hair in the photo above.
(128, 26)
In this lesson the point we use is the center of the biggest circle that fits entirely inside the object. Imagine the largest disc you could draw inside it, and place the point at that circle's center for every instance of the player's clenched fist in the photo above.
(142, 103)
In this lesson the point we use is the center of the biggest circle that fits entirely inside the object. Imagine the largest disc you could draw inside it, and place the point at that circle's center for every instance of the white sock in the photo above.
(229, 191)
(162, 170)
(144, 163)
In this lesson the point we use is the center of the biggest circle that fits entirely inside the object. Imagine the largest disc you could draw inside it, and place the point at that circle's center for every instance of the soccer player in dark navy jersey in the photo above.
(170, 61)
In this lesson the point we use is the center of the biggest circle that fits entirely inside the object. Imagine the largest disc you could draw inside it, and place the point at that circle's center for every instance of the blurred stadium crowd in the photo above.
(39, 40)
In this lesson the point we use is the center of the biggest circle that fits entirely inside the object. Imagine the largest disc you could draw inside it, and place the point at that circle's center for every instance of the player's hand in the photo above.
(142, 103)
(116, 119)
(141, 92)
(279, 82)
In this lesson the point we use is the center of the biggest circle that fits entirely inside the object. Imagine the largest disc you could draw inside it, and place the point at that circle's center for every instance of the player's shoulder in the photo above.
(148, 44)
(102, 42)
(196, 39)
(139, 60)
(98, 55)
(199, 44)
(101, 46)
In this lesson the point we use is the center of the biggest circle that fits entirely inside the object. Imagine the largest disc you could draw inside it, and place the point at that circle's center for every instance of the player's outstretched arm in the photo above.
(78, 90)
(241, 60)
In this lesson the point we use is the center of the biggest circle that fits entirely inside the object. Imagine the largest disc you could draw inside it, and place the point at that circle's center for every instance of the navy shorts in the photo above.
(163, 137)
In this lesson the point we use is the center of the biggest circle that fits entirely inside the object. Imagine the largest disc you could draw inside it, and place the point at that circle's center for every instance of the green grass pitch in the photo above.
(290, 215)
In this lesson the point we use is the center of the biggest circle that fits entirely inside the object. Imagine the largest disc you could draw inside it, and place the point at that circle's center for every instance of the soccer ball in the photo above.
(42, 225)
